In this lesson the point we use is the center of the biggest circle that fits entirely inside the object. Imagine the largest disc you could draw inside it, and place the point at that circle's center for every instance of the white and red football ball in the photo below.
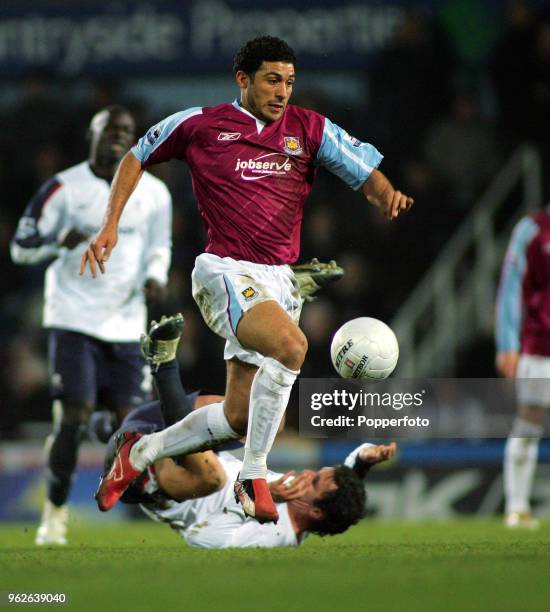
(364, 349)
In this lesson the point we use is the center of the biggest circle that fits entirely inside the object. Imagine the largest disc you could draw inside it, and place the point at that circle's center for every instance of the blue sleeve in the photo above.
(35, 239)
(348, 158)
(509, 299)
(159, 144)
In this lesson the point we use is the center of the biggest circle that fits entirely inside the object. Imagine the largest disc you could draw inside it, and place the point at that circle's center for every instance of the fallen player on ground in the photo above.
(194, 493)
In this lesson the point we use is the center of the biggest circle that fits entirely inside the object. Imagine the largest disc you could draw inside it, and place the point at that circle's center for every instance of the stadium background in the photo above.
(446, 90)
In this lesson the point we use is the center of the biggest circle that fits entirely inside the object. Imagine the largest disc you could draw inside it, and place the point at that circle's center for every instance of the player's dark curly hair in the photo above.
(262, 49)
(344, 507)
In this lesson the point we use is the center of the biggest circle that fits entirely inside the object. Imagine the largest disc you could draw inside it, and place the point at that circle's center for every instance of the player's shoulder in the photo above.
(219, 114)
(184, 114)
(197, 121)
(75, 174)
(218, 110)
(200, 112)
(529, 226)
(170, 124)
(538, 217)
(305, 113)
(309, 122)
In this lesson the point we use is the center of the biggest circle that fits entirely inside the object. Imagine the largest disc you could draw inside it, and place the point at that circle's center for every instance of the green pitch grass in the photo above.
(457, 565)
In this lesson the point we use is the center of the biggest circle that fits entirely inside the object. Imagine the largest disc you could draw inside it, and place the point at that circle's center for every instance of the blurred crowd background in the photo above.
(447, 98)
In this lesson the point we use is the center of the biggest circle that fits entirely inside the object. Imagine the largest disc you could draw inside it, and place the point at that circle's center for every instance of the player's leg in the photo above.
(198, 430)
(259, 320)
(226, 292)
(125, 378)
(245, 382)
(266, 335)
(520, 461)
(239, 377)
(125, 385)
(521, 451)
(205, 400)
(63, 452)
(73, 387)
(268, 330)
(195, 475)
(159, 347)
(314, 275)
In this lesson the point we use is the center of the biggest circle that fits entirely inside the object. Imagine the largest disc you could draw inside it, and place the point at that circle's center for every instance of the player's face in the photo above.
(112, 134)
(321, 483)
(266, 93)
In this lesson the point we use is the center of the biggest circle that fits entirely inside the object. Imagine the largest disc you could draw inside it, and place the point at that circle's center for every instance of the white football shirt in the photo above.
(110, 307)
(218, 521)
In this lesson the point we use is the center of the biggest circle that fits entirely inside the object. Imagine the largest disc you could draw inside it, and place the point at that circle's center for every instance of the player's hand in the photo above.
(507, 363)
(396, 204)
(155, 292)
(72, 238)
(377, 454)
(380, 192)
(99, 250)
(294, 489)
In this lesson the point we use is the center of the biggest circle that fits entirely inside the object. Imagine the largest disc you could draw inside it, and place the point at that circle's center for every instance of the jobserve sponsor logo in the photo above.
(269, 164)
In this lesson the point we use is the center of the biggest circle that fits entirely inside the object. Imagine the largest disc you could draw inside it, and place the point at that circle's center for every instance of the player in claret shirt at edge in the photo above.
(253, 163)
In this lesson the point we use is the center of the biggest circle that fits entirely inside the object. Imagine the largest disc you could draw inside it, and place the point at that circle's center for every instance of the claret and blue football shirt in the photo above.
(250, 178)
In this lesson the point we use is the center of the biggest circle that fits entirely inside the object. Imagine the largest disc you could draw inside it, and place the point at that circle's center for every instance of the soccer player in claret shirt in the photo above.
(253, 163)
(523, 353)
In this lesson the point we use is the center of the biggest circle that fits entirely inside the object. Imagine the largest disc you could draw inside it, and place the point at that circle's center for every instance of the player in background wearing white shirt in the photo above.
(253, 163)
(194, 493)
(94, 327)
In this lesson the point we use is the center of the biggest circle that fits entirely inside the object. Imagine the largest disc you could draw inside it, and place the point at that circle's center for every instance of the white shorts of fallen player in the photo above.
(225, 289)
(533, 381)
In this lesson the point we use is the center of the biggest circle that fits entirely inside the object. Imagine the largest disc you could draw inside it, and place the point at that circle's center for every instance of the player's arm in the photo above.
(509, 307)
(379, 191)
(40, 234)
(162, 142)
(356, 163)
(125, 181)
(158, 248)
(287, 487)
(361, 459)
(197, 475)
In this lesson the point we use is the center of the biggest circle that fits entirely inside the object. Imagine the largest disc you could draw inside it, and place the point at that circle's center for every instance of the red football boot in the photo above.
(121, 474)
(255, 498)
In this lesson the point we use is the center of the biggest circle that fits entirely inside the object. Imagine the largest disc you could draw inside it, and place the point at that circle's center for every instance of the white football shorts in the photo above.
(533, 381)
(224, 289)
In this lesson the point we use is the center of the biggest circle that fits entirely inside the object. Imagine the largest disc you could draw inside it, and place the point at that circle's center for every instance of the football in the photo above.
(364, 349)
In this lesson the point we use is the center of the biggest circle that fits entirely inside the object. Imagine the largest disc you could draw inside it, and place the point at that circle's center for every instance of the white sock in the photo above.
(200, 430)
(520, 461)
(268, 401)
